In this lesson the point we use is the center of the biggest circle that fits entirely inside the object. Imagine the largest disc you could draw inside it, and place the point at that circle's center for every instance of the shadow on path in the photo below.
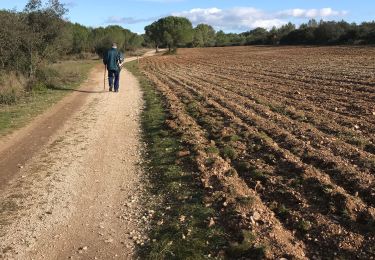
(80, 90)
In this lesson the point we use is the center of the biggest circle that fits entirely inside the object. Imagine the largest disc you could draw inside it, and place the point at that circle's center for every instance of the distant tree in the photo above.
(204, 36)
(154, 35)
(328, 32)
(170, 31)
(134, 42)
(274, 35)
(304, 35)
(222, 39)
(80, 38)
(257, 36)
(312, 23)
(366, 32)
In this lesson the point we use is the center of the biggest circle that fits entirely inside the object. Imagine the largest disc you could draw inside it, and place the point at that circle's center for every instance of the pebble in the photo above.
(211, 223)
(109, 240)
(256, 216)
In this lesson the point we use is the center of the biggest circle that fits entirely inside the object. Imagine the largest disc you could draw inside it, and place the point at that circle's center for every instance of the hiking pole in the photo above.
(105, 73)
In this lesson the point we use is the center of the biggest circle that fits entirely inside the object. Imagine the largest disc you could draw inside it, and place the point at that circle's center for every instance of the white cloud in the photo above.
(239, 18)
(245, 18)
(312, 13)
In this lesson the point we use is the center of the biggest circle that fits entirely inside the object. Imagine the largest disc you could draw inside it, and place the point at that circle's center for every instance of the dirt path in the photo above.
(79, 196)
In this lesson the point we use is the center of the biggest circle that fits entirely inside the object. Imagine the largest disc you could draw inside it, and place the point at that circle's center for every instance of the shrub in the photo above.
(230, 153)
(11, 88)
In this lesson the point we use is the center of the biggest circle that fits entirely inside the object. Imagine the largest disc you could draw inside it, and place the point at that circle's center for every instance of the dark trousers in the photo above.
(114, 79)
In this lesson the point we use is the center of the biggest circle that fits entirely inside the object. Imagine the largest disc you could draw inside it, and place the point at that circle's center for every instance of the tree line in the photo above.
(173, 32)
(39, 34)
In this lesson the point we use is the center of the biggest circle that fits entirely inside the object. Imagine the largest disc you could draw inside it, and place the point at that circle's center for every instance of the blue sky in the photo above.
(228, 15)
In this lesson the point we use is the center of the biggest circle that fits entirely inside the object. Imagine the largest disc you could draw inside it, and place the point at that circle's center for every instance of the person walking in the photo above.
(113, 61)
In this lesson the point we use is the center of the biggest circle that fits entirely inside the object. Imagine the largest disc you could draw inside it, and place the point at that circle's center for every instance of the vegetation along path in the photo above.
(71, 185)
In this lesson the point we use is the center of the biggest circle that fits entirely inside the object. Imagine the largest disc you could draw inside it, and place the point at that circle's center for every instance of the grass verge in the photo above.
(67, 74)
(184, 228)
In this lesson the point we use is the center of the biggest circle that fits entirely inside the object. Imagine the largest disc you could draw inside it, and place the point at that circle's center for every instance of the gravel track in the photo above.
(80, 196)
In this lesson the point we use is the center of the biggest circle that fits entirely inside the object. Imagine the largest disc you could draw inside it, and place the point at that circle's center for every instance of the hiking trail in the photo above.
(71, 185)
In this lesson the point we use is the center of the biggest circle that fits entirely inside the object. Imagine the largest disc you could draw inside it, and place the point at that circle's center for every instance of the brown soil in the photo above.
(295, 132)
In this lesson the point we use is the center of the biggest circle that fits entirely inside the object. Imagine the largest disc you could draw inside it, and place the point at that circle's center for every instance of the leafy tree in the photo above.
(43, 26)
(328, 32)
(222, 39)
(10, 40)
(154, 34)
(204, 36)
(80, 38)
(257, 36)
(170, 31)
(366, 32)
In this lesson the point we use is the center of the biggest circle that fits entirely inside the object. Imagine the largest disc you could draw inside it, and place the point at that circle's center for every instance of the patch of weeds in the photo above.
(231, 173)
(269, 158)
(369, 163)
(245, 201)
(243, 166)
(345, 214)
(304, 226)
(246, 248)
(358, 141)
(180, 229)
(265, 137)
(258, 175)
(278, 109)
(327, 189)
(229, 152)
(212, 149)
(210, 161)
(297, 182)
(8, 205)
(282, 211)
(297, 150)
(232, 190)
(235, 138)
(370, 148)
(193, 109)
(232, 138)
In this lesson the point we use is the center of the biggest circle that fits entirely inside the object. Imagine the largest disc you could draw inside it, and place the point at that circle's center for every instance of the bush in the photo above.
(230, 152)
(11, 88)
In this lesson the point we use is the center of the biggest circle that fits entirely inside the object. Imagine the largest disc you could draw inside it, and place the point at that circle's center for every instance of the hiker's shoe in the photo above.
(110, 89)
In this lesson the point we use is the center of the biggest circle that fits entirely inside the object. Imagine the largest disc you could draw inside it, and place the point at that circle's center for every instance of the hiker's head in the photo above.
(114, 45)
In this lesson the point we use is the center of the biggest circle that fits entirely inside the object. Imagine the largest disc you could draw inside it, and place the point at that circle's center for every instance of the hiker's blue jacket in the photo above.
(112, 58)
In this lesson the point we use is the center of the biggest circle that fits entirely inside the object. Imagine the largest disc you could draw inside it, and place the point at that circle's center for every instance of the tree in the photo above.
(154, 34)
(10, 41)
(257, 36)
(328, 32)
(80, 38)
(170, 31)
(43, 26)
(204, 36)
(221, 39)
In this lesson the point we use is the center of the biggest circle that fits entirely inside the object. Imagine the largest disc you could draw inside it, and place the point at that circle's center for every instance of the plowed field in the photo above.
(284, 139)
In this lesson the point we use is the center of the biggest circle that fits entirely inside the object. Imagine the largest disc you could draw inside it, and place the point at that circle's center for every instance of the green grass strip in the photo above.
(180, 229)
